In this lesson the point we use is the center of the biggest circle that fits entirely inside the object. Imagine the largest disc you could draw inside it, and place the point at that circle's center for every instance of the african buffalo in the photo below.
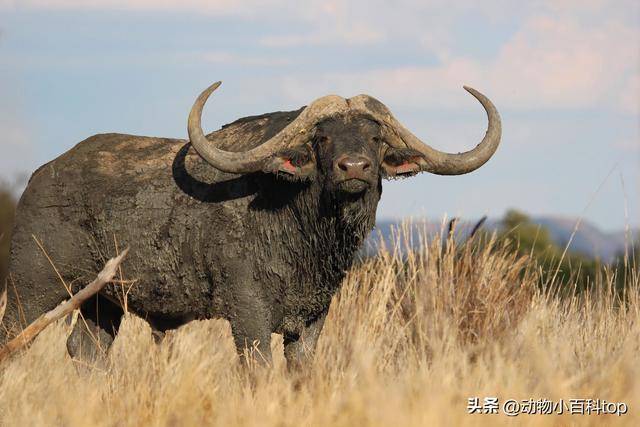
(255, 223)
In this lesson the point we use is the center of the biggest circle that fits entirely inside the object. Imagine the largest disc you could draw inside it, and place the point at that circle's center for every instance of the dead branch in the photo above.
(3, 302)
(30, 332)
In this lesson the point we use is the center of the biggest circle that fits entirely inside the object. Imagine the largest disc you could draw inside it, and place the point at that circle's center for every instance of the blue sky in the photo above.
(565, 76)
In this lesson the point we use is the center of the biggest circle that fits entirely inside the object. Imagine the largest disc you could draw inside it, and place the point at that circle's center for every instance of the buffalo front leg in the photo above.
(252, 338)
(299, 350)
(89, 343)
(250, 319)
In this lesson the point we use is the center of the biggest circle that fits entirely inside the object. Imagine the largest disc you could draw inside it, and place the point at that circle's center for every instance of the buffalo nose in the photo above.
(354, 164)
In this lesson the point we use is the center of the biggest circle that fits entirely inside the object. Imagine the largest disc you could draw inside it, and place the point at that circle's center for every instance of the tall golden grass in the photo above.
(408, 340)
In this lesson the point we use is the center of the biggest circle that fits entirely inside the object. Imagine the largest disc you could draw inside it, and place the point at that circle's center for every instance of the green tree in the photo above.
(627, 266)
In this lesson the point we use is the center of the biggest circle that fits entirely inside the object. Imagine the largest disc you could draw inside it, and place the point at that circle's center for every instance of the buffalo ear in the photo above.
(402, 162)
(295, 163)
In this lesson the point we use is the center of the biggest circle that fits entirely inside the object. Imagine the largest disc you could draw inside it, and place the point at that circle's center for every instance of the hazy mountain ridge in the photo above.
(588, 240)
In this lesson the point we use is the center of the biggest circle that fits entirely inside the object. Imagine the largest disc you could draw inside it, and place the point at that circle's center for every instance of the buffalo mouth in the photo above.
(353, 186)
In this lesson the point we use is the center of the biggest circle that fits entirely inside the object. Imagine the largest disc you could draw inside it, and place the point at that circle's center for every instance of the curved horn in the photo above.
(439, 162)
(257, 158)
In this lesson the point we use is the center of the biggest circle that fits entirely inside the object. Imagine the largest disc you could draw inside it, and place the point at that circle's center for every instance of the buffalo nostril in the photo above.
(354, 164)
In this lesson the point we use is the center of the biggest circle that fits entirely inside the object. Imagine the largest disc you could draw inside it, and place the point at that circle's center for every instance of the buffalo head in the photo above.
(348, 143)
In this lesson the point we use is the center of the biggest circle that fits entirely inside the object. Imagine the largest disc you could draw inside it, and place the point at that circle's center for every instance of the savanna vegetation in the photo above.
(410, 340)
(559, 265)
(575, 272)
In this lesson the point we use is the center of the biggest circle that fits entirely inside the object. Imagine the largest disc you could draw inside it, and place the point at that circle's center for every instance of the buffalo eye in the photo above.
(399, 162)
(296, 162)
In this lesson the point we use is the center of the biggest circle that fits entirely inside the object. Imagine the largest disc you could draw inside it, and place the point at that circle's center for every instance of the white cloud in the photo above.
(221, 7)
(550, 62)
(358, 33)
(559, 63)
(231, 58)
(567, 54)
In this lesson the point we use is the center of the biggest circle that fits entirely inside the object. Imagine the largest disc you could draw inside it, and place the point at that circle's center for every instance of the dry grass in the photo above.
(407, 342)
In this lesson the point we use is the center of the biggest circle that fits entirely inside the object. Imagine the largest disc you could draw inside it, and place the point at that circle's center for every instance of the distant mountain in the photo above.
(588, 240)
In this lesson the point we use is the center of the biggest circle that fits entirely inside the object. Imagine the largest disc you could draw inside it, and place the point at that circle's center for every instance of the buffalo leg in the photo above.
(299, 350)
(88, 342)
(252, 338)
(93, 334)
(251, 317)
